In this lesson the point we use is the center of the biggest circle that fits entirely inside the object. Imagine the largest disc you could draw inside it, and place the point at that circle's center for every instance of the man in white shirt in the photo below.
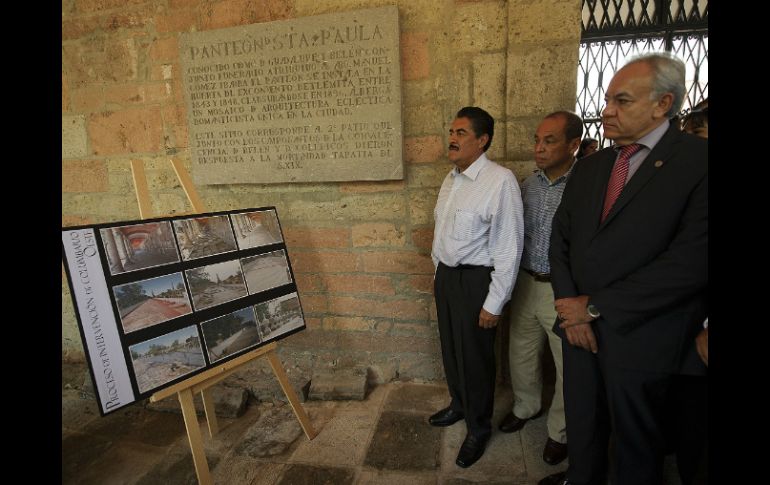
(477, 245)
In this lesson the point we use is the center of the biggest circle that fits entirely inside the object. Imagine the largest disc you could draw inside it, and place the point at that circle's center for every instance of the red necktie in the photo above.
(618, 177)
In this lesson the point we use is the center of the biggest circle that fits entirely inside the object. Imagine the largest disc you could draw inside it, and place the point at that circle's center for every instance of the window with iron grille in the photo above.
(614, 30)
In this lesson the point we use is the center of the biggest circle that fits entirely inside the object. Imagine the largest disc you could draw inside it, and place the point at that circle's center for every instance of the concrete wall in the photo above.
(361, 251)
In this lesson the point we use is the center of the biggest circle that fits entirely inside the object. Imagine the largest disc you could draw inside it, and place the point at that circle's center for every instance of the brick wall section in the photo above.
(383, 234)
(415, 60)
(360, 250)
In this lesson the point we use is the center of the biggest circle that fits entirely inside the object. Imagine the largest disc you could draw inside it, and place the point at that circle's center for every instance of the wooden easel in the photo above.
(203, 382)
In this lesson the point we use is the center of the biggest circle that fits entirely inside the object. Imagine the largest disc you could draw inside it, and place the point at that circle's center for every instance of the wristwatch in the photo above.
(592, 311)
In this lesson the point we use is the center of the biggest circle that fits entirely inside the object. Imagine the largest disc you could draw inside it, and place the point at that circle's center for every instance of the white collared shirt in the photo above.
(479, 221)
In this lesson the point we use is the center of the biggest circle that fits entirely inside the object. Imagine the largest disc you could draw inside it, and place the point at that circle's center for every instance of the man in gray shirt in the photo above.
(532, 304)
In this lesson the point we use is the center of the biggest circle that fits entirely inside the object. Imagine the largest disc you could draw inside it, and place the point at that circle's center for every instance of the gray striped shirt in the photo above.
(479, 221)
(541, 199)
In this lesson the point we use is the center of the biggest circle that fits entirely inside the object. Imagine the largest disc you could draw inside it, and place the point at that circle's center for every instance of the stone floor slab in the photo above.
(117, 423)
(272, 434)
(229, 435)
(403, 441)
(418, 398)
(236, 470)
(343, 440)
(135, 423)
(156, 429)
(314, 475)
(382, 477)
(176, 468)
(80, 450)
(122, 464)
(503, 457)
(533, 437)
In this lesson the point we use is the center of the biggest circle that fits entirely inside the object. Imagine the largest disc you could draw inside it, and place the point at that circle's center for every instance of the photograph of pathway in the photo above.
(216, 283)
(266, 271)
(148, 302)
(165, 358)
(230, 333)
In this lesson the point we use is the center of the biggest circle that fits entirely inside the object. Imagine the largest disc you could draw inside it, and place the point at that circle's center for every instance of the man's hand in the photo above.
(576, 322)
(572, 311)
(702, 345)
(582, 335)
(487, 320)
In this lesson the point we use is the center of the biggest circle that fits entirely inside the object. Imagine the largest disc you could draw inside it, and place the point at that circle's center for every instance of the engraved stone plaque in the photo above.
(305, 100)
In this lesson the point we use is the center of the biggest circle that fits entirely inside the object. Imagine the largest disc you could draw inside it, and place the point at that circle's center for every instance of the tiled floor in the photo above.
(384, 439)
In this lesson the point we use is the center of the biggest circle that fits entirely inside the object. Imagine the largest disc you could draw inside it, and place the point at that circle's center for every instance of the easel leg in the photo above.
(194, 435)
(140, 187)
(211, 414)
(283, 380)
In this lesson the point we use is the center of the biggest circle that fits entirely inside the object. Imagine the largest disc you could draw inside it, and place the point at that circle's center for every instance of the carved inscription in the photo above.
(314, 99)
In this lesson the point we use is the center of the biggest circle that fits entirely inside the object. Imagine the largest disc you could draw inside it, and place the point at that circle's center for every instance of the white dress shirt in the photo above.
(479, 221)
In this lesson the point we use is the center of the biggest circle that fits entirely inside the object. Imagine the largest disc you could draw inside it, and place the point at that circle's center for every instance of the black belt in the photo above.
(542, 277)
(466, 266)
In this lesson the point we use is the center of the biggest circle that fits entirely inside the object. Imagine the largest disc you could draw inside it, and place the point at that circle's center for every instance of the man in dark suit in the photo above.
(629, 271)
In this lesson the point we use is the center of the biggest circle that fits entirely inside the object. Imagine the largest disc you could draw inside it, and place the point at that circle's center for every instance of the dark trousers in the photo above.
(689, 428)
(601, 398)
(587, 416)
(468, 351)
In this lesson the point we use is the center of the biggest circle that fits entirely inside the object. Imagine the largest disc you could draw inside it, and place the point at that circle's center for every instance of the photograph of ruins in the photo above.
(278, 316)
(204, 236)
(258, 228)
(139, 246)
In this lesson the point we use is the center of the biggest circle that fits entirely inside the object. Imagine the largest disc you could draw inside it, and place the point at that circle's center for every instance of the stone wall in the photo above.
(361, 251)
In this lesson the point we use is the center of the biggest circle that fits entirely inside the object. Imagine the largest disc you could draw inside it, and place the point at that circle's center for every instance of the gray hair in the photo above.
(668, 77)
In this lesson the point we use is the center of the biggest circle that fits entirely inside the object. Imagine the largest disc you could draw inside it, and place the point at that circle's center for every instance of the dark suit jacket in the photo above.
(646, 266)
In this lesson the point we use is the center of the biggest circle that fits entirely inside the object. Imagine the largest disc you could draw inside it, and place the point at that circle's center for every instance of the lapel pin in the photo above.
(658, 163)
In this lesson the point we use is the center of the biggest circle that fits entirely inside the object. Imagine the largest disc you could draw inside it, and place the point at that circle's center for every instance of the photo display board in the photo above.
(160, 300)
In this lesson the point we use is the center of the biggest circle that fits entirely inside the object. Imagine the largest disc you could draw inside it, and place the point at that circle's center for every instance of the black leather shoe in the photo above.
(555, 479)
(511, 423)
(445, 417)
(554, 452)
(471, 451)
